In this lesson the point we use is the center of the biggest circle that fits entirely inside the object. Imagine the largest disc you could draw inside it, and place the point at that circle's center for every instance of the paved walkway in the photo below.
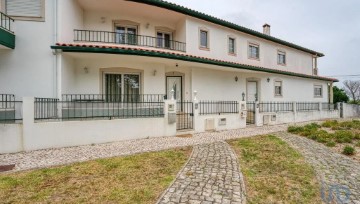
(212, 175)
(334, 171)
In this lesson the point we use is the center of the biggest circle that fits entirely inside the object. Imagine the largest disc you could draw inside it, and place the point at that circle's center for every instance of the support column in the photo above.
(258, 119)
(28, 122)
(331, 97)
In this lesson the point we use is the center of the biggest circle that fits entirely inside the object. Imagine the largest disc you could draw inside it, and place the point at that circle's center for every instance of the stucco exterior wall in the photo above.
(297, 61)
(29, 69)
(351, 110)
(71, 17)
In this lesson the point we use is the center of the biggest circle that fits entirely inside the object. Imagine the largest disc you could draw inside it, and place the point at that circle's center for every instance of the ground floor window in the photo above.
(318, 91)
(120, 87)
(278, 88)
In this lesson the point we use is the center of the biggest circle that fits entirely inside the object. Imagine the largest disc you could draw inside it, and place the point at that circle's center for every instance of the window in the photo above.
(126, 35)
(232, 46)
(254, 51)
(278, 88)
(163, 39)
(281, 58)
(25, 9)
(204, 39)
(122, 87)
(318, 91)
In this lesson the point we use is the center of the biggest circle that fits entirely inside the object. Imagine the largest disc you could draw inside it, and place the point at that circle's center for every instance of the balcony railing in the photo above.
(6, 22)
(127, 39)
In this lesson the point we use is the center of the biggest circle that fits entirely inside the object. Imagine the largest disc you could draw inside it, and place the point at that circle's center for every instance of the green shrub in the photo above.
(312, 126)
(331, 144)
(357, 136)
(322, 136)
(348, 150)
(343, 136)
(347, 125)
(330, 123)
(358, 144)
(295, 129)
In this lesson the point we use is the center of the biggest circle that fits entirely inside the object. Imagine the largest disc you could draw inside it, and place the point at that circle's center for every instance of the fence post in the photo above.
(295, 111)
(28, 121)
(243, 112)
(341, 109)
(196, 112)
(170, 117)
(258, 119)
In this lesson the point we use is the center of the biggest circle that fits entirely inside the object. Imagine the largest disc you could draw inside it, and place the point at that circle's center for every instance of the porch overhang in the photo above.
(106, 49)
(7, 39)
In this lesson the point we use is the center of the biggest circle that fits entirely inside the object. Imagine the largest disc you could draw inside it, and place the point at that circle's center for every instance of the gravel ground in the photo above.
(337, 173)
(60, 156)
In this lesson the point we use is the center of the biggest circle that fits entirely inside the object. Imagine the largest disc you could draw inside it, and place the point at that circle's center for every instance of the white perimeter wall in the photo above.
(297, 61)
(351, 110)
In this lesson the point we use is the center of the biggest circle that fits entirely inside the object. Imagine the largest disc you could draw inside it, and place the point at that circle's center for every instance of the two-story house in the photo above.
(149, 47)
(121, 59)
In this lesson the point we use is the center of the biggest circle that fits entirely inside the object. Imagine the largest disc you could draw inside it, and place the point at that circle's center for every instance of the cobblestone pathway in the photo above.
(333, 170)
(212, 175)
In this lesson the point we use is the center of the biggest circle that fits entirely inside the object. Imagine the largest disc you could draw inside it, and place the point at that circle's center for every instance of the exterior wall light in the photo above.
(86, 70)
(243, 96)
(268, 80)
(155, 71)
(236, 78)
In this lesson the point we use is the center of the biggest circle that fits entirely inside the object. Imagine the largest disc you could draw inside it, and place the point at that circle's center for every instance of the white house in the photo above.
(90, 53)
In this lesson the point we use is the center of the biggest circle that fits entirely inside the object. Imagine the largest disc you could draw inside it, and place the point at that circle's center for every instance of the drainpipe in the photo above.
(55, 61)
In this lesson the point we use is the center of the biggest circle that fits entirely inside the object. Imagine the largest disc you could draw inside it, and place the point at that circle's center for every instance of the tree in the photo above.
(340, 95)
(352, 88)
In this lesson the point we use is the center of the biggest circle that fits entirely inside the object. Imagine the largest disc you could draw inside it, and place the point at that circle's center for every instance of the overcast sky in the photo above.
(328, 26)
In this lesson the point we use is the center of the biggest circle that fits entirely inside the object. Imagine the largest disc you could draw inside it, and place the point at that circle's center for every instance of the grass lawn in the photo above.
(343, 137)
(132, 179)
(274, 172)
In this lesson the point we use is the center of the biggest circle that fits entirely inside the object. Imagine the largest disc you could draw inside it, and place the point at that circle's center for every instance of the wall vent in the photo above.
(222, 121)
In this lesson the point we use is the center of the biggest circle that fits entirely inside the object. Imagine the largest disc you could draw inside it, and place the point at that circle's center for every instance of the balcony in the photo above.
(127, 39)
(7, 36)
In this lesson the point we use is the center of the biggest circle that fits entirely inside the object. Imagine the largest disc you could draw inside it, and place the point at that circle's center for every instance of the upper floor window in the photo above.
(254, 51)
(126, 34)
(318, 91)
(278, 88)
(163, 39)
(281, 58)
(204, 39)
(32, 10)
(232, 46)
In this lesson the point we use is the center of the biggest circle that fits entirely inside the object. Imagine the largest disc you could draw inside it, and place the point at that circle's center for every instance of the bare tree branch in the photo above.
(352, 88)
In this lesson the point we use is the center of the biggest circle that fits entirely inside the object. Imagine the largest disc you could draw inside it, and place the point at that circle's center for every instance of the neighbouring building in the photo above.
(122, 58)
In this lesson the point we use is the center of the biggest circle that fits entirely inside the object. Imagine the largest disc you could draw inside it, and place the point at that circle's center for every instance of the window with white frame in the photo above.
(121, 87)
(204, 39)
(281, 58)
(278, 88)
(254, 51)
(318, 90)
(163, 39)
(232, 46)
(25, 9)
(126, 34)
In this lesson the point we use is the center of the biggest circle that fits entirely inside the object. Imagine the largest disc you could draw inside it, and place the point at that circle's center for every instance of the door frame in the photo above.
(257, 87)
(181, 85)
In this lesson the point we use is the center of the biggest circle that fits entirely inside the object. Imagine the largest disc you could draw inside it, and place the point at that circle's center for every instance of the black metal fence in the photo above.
(128, 39)
(329, 106)
(184, 115)
(6, 22)
(10, 109)
(218, 107)
(276, 107)
(250, 115)
(128, 98)
(97, 106)
(46, 108)
(307, 106)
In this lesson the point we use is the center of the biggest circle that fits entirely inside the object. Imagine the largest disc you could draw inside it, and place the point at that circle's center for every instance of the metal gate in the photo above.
(250, 117)
(184, 115)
